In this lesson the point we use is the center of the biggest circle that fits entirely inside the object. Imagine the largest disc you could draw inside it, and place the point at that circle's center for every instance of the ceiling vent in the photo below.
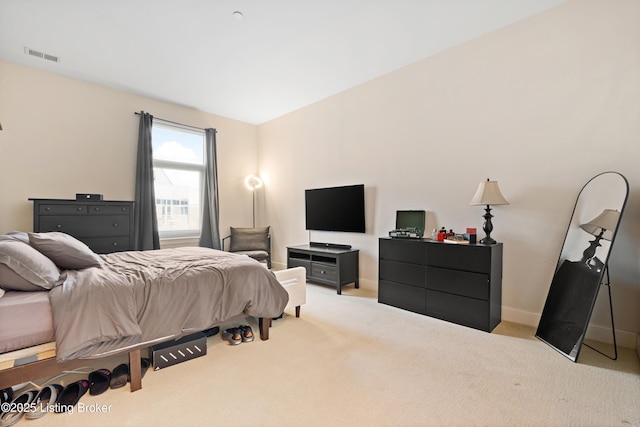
(41, 55)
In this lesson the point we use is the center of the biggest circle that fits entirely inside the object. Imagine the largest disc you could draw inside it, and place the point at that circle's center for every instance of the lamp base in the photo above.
(487, 241)
(590, 252)
(487, 227)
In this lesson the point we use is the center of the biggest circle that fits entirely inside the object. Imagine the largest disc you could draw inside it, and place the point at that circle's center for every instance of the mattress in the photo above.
(25, 320)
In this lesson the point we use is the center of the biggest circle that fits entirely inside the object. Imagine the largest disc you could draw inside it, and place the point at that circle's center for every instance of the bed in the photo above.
(103, 305)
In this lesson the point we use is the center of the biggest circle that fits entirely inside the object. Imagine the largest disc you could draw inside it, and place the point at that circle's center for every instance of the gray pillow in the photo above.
(22, 268)
(67, 252)
(16, 235)
(249, 239)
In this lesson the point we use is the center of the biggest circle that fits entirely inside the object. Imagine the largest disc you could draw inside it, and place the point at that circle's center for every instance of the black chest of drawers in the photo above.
(104, 226)
(459, 283)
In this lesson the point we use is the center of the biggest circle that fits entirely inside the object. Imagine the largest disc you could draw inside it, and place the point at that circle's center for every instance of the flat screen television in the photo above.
(335, 208)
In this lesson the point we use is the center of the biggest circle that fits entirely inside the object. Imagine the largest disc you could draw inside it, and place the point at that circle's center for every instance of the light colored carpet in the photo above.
(349, 361)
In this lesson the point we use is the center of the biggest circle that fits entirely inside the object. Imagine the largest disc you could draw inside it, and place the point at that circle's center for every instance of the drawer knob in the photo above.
(115, 243)
(47, 209)
(115, 224)
(59, 226)
(79, 209)
(323, 272)
(97, 209)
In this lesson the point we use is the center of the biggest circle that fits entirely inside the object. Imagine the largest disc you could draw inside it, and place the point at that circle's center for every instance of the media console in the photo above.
(460, 283)
(330, 265)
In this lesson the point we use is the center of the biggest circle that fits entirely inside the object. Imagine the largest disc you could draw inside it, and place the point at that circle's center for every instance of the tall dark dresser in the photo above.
(104, 226)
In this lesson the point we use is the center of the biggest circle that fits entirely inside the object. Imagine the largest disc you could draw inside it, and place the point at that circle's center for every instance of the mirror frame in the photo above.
(561, 297)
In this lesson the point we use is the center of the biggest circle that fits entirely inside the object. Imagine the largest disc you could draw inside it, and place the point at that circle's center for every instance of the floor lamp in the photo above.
(253, 182)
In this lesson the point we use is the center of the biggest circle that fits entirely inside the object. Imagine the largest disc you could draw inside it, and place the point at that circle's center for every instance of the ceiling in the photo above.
(281, 56)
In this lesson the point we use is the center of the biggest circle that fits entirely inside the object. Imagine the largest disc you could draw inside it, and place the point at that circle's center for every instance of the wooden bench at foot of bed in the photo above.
(46, 364)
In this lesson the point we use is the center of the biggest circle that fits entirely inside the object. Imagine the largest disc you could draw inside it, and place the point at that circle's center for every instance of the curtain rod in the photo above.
(176, 123)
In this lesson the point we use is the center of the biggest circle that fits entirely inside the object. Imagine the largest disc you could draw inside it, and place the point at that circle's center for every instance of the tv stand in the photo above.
(329, 245)
(328, 265)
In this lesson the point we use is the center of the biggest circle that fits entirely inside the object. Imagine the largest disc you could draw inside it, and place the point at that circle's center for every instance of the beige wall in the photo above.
(541, 106)
(64, 136)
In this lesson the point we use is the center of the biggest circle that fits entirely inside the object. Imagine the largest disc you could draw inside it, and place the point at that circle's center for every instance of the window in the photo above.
(178, 167)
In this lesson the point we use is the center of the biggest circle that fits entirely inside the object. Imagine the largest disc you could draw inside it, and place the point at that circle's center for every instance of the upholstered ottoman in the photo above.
(294, 281)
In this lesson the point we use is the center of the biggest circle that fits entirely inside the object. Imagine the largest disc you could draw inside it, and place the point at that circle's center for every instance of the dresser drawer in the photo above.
(62, 209)
(411, 274)
(326, 272)
(110, 210)
(402, 296)
(87, 225)
(105, 245)
(473, 285)
(410, 251)
(458, 309)
(475, 258)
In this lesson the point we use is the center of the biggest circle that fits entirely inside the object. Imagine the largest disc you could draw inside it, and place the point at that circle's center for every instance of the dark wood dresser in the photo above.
(104, 226)
(460, 283)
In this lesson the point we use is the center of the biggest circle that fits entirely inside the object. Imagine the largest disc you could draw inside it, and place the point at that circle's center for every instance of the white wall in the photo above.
(63, 136)
(541, 106)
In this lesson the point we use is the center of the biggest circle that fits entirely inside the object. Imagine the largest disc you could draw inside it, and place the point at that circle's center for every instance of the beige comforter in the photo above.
(152, 296)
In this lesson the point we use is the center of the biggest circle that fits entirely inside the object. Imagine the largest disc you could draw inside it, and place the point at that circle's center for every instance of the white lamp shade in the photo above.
(253, 182)
(607, 221)
(488, 193)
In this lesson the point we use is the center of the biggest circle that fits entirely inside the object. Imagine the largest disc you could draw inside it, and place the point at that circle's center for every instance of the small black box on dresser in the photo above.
(88, 196)
(104, 225)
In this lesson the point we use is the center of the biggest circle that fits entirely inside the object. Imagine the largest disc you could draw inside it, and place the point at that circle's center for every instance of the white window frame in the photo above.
(190, 167)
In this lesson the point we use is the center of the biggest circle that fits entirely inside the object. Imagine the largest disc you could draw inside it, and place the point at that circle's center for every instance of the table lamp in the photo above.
(488, 193)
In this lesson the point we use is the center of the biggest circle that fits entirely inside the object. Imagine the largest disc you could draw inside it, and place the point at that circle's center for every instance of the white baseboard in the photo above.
(521, 317)
(278, 265)
(594, 332)
(371, 285)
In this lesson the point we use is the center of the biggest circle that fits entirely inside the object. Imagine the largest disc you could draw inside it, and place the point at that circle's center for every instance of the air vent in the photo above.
(41, 55)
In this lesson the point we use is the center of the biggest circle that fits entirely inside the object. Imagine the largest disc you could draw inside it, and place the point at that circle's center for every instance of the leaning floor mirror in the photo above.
(582, 265)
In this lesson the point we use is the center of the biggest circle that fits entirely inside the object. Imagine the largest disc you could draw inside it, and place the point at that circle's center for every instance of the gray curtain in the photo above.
(210, 235)
(145, 218)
